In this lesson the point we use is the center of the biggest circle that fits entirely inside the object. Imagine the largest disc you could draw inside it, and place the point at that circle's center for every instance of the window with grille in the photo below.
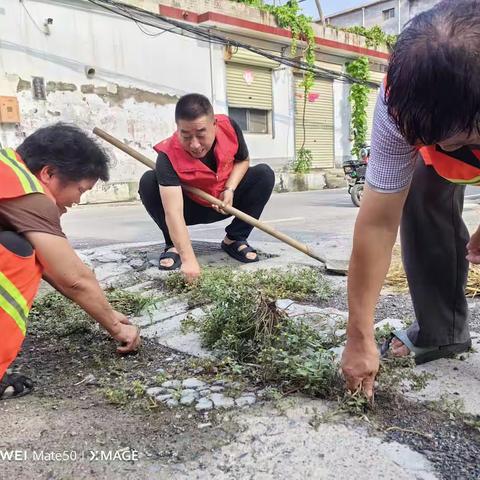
(249, 97)
(389, 13)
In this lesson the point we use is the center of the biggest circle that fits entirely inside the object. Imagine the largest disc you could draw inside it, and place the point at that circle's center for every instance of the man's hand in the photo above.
(125, 333)
(360, 363)
(227, 198)
(191, 270)
(473, 248)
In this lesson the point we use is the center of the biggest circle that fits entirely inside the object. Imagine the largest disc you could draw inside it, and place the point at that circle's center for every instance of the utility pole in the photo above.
(320, 12)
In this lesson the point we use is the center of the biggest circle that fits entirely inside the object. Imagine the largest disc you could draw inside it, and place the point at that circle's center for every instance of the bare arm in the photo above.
(374, 236)
(375, 233)
(68, 274)
(172, 200)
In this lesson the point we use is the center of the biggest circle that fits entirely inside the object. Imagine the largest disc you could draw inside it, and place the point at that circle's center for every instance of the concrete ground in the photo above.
(273, 441)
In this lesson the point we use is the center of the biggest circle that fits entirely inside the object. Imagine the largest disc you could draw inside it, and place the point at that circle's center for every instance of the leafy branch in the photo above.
(359, 69)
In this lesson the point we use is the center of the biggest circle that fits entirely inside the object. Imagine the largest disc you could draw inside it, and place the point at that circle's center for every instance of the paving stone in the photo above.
(164, 397)
(243, 401)
(316, 315)
(188, 391)
(395, 323)
(172, 384)
(153, 391)
(109, 270)
(172, 403)
(110, 257)
(204, 393)
(136, 263)
(154, 273)
(410, 460)
(168, 332)
(193, 383)
(217, 388)
(221, 401)
(204, 404)
(188, 399)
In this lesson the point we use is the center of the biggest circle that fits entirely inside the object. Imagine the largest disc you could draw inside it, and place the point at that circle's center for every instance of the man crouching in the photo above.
(207, 152)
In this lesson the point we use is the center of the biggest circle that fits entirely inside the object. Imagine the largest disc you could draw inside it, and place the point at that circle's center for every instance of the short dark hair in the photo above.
(68, 149)
(192, 106)
(433, 80)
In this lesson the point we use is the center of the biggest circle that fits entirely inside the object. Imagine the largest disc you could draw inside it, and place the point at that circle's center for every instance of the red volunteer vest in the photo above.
(194, 172)
(461, 166)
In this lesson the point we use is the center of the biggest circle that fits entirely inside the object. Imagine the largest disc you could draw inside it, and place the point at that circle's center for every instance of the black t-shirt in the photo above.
(167, 176)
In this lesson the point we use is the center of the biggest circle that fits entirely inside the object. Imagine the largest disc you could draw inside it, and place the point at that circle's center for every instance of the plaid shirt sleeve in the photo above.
(392, 159)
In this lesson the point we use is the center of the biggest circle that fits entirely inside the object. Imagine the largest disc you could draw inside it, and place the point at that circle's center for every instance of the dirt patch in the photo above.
(65, 414)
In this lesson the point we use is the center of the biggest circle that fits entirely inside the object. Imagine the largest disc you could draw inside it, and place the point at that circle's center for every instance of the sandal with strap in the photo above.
(241, 255)
(424, 354)
(177, 262)
(15, 385)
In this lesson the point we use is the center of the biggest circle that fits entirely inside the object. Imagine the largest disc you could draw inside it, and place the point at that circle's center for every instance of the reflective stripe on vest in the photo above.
(13, 303)
(28, 181)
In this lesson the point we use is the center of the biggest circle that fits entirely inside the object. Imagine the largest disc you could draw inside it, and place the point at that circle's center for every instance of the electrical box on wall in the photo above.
(9, 110)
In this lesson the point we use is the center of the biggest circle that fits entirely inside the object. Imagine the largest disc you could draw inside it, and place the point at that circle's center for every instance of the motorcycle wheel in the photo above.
(356, 194)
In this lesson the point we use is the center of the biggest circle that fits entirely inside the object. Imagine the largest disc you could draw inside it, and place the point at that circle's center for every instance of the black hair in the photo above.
(192, 106)
(433, 80)
(69, 150)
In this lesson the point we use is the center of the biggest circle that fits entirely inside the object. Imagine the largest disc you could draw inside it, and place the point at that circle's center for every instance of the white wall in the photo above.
(133, 93)
(342, 115)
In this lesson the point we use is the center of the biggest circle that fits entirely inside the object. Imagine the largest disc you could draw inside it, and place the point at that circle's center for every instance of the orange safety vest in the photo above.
(194, 172)
(19, 276)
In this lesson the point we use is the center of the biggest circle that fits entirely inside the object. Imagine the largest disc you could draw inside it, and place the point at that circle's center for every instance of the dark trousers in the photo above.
(434, 239)
(250, 196)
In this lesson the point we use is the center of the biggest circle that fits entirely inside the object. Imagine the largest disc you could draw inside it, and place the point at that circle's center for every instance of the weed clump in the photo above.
(56, 316)
(243, 323)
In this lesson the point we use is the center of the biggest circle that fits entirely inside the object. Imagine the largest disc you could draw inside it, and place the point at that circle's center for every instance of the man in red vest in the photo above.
(47, 174)
(425, 149)
(208, 152)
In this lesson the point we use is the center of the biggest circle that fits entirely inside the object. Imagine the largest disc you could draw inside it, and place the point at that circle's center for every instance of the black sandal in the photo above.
(241, 255)
(20, 384)
(177, 262)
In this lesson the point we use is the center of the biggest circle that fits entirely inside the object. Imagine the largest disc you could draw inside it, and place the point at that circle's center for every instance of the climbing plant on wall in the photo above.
(374, 36)
(289, 16)
(359, 69)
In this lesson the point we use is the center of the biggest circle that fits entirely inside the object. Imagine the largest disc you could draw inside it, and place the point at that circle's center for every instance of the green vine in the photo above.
(359, 69)
(374, 36)
(289, 16)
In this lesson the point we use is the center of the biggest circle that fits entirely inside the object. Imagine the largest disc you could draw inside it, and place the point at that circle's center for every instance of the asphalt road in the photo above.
(306, 216)
(323, 216)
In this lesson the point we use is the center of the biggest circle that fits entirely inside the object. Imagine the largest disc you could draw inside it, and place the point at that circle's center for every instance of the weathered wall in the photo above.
(132, 95)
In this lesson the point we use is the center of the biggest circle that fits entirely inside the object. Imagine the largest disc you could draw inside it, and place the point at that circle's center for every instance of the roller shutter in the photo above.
(319, 121)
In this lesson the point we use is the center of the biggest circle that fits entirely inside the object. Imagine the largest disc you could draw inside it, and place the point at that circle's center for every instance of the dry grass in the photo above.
(397, 280)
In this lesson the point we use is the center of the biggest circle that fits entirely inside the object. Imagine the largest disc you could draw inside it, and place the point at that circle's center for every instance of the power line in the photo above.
(143, 17)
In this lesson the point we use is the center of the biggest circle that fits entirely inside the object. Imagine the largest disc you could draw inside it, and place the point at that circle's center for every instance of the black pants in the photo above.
(251, 196)
(434, 239)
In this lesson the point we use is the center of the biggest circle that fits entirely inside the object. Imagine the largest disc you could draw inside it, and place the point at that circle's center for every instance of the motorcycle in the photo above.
(355, 175)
